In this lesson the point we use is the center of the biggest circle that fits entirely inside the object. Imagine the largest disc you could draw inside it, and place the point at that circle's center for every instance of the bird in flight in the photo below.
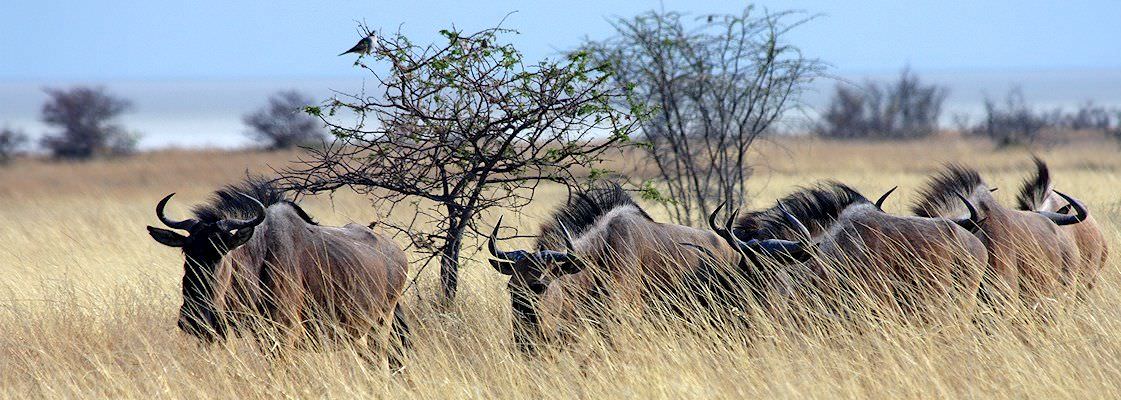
(364, 46)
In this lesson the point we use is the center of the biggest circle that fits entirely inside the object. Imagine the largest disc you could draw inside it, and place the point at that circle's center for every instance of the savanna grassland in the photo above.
(88, 301)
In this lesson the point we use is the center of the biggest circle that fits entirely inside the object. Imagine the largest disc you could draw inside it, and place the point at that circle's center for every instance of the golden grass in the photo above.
(88, 301)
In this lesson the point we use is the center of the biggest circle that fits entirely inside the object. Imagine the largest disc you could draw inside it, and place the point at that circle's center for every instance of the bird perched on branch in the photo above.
(364, 46)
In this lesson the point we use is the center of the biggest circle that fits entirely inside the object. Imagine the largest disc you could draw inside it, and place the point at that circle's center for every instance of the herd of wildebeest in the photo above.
(258, 265)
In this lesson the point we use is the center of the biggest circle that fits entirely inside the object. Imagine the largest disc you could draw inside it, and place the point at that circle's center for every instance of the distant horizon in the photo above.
(200, 113)
(358, 74)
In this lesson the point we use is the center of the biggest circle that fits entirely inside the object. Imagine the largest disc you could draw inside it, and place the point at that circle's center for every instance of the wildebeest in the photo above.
(1038, 194)
(1028, 251)
(598, 248)
(903, 263)
(257, 263)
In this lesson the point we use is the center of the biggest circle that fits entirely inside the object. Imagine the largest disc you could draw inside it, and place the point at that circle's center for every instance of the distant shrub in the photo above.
(1115, 130)
(11, 143)
(1089, 117)
(85, 116)
(903, 109)
(1011, 122)
(283, 123)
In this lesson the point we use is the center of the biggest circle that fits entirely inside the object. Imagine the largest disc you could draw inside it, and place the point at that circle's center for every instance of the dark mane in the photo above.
(227, 203)
(817, 207)
(938, 198)
(1034, 189)
(582, 210)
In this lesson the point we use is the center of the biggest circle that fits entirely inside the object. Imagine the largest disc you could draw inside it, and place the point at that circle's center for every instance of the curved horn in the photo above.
(492, 243)
(973, 221)
(230, 224)
(567, 237)
(729, 224)
(738, 245)
(883, 197)
(186, 224)
(499, 259)
(712, 220)
(794, 222)
(781, 249)
(785, 249)
(1080, 213)
(573, 263)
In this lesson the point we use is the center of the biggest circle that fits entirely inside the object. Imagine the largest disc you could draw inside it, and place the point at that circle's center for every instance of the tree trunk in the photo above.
(449, 260)
(449, 267)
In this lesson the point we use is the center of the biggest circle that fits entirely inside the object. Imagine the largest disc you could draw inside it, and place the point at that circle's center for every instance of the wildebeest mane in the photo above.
(1034, 189)
(582, 210)
(817, 207)
(939, 197)
(227, 203)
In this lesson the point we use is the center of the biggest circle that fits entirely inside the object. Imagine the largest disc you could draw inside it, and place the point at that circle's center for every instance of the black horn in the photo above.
(573, 263)
(795, 223)
(1080, 213)
(786, 250)
(499, 260)
(883, 197)
(973, 221)
(186, 224)
(723, 233)
(567, 237)
(231, 224)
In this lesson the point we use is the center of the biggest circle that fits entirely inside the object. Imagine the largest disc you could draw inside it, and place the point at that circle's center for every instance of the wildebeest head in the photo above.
(756, 249)
(530, 275)
(533, 271)
(204, 246)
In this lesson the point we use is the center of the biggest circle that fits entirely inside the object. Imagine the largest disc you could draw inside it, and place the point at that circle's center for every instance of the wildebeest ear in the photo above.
(243, 235)
(166, 237)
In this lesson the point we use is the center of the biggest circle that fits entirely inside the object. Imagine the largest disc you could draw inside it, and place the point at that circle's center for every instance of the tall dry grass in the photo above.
(88, 301)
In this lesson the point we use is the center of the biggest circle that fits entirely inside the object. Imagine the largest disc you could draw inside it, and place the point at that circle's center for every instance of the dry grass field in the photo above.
(88, 301)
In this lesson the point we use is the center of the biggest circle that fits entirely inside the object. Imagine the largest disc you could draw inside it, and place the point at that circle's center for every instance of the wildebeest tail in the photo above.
(401, 335)
(1035, 189)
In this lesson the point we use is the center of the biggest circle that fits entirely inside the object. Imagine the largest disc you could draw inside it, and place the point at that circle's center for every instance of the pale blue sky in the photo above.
(49, 40)
(193, 68)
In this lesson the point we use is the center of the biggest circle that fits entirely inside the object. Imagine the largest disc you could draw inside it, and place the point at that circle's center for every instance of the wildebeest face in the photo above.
(533, 271)
(203, 247)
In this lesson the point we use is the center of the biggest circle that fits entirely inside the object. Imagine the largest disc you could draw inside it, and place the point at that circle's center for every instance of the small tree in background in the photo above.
(1088, 116)
(283, 124)
(86, 117)
(1012, 122)
(716, 83)
(904, 109)
(11, 143)
(468, 125)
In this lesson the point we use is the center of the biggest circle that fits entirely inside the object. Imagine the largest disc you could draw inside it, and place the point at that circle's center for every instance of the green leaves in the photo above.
(650, 192)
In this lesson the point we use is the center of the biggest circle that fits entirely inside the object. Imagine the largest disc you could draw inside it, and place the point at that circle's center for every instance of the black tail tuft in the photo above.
(403, 344)
(1035, 189)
